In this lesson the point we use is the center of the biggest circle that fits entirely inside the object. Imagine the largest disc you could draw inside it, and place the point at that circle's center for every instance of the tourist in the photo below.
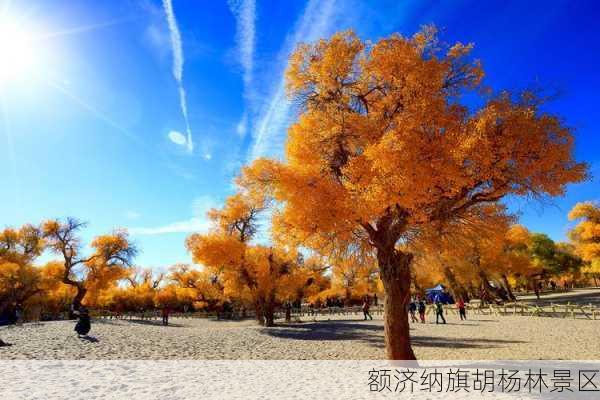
(84, 324)
(365, 307)
(439, 312)
(536, 290)
(553, 284)
(461, 309)
(165, 315)
(422, 309)
(18, 314)
(412, 309)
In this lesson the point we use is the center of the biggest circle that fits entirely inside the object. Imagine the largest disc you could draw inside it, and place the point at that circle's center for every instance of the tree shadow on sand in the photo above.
(90, 339)
(137, 321)
(583, 298)
(372, 334)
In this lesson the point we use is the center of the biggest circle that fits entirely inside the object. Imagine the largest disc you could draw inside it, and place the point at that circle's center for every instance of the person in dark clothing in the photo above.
(19, 314)
(422, 309)
(439, 312)
(375, 300)
(84, 324)
(165, 316)
(461, 309)
(536, 290)
(412, 309)
(365, 308)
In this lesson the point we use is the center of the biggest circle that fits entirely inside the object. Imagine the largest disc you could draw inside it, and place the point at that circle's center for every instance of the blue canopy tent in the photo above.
(439, 293)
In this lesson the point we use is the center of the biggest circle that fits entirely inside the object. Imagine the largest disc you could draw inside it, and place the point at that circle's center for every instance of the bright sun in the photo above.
(17, 51)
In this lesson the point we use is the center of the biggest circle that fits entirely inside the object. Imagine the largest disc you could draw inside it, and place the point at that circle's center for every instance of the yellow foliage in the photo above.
(586, 235)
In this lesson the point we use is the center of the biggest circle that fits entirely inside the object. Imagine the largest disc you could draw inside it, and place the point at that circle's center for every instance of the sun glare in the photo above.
(17, 51)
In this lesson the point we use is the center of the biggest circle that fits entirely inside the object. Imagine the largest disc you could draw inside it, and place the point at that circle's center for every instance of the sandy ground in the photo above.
(194, 356)
(481, 337)
(261, 379)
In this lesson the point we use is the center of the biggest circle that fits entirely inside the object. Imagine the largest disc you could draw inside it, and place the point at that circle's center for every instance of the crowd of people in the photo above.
(419, 305)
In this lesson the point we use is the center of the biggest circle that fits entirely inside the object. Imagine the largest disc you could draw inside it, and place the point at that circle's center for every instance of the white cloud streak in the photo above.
(197, 223)
(131, 214)
(270, 130)
(178, 61)
(245, 13)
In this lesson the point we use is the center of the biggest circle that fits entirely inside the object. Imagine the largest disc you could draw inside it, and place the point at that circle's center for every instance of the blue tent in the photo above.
(439, 293)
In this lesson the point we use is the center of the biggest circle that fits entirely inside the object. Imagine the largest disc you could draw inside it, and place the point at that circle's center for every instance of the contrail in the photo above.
(245, 14)
(270, 129)
(178, 61)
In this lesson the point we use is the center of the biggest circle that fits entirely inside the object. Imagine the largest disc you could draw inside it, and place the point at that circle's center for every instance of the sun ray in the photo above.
(93, 110)
(87, 28)
(11, 152)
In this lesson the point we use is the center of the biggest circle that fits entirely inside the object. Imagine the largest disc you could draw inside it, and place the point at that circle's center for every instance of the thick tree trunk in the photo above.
(511, 296)
(81, 292)
(394, 269)
(76, 304)
(456, 288)
(269, 310)
(288, 312)
(260, 318)
(490, 290)
(269, 316)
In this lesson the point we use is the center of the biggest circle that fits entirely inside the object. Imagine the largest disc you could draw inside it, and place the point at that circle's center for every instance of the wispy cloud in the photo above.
(245, 13)
(131, 214)
(197, 223)
(242, 126)
(178, 61)
(177, 138)
(269, 132)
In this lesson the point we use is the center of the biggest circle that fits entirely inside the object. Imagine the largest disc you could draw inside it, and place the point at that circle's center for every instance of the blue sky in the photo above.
(94, 125)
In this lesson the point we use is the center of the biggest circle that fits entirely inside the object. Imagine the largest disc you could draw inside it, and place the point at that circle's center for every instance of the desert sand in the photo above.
(481, 337)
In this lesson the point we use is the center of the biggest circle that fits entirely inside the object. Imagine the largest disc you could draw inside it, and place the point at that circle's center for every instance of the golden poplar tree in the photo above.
(20, 280)
(255, 275)
(586, 236)
(112, 255)
(383, 147)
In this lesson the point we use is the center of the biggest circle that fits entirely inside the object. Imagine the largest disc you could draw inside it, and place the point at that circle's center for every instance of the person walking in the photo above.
(461, 309)
(412, 309)
(165, 316)
(365, 307)
(422, 309)
(439, 312)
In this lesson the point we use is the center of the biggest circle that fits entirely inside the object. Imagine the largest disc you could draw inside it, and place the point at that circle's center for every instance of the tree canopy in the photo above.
(383, 148)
